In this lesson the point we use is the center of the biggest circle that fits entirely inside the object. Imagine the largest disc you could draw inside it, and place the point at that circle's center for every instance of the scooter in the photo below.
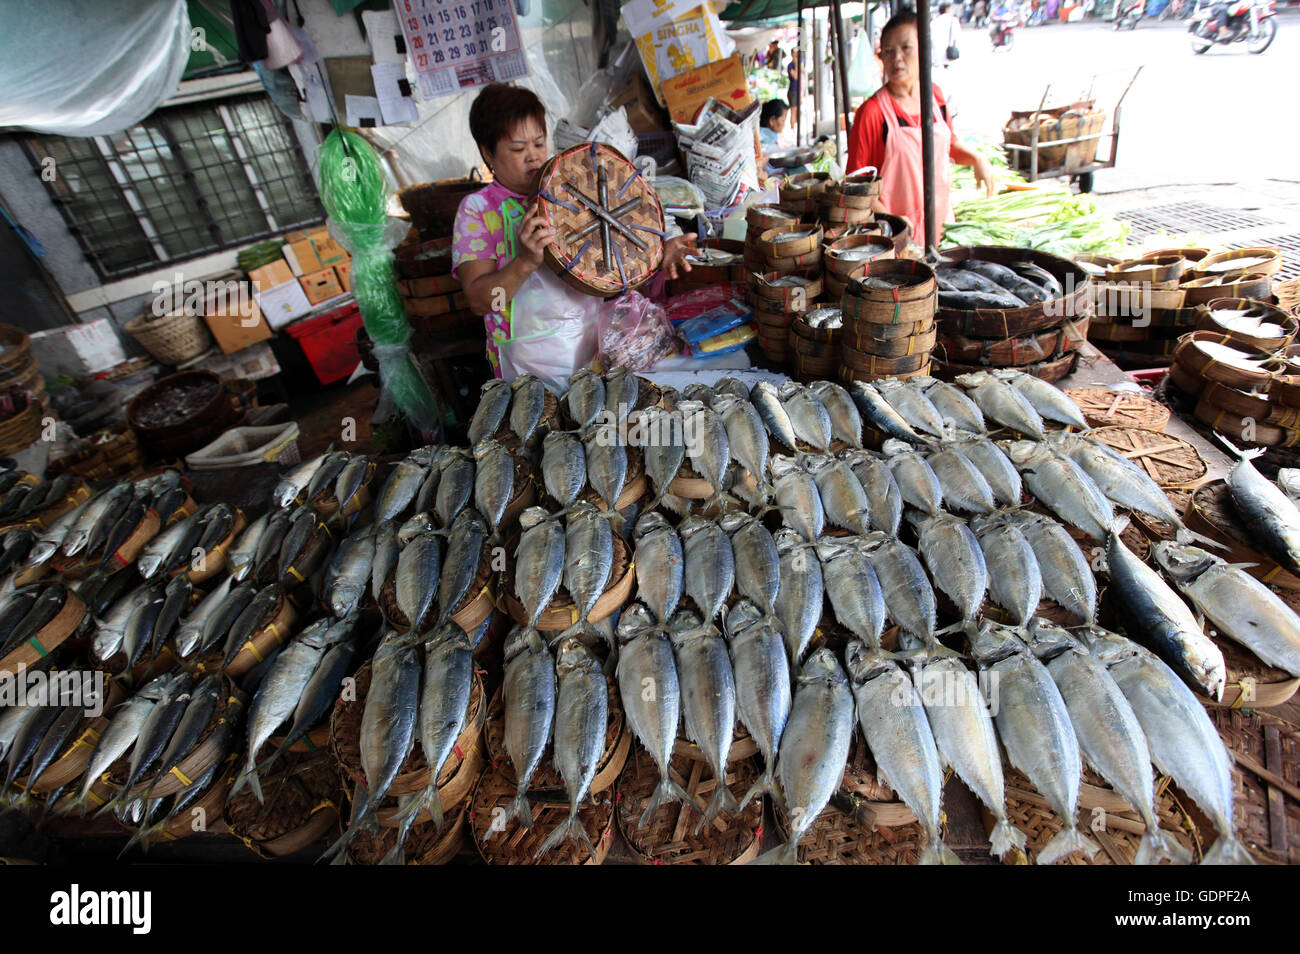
(1002, 30)
(1177, 10)
(1131, 15)
(1249, 21)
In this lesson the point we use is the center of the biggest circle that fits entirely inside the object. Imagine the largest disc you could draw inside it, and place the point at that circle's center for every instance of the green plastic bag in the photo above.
(355, 191)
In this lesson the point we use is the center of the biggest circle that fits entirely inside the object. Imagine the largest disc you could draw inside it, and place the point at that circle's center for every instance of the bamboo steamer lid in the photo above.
(1103, 407)
(588, 186)
(1208, 320)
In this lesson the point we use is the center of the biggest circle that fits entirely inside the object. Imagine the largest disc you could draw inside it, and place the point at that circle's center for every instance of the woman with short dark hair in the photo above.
(500, 238)
(886, 134)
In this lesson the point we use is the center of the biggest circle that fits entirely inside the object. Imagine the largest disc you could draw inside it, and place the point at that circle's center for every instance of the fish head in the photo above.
(733, 520)
(344, 598)
(601, 435)
(469, 519)
(523, 381)
(742, 614)
(762, 389)
(449, 635)
(1027, 453)
(787, 540)
(1181, 562)
(424, 456)
(991, 642)
(865, 663)
(692, 525)
(974, 379)
(821, 666)
(782, 466)
(817, 464)
(683, 621)
(573, 654)
(634, 620)
(414, 526)
(649, 523)
(1108, 647)
(1046, 640)
(486, 448)
(318, 633)
(179, 584)
(829, 549)
(533, 516)
(893, 447)
(149, 563)
(522, 640)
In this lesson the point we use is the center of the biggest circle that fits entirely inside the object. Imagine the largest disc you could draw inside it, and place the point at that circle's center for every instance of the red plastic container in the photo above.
(329, 342)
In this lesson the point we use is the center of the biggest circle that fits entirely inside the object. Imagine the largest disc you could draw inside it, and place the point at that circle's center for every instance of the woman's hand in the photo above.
(534, 235)
(984, 176)
(675, 252)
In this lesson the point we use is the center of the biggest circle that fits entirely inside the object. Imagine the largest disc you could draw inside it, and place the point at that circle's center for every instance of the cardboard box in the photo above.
(673, 36)
(283, 303)
(235, 326)
(644, 114)
(78, 350)
(313, 253)
(268, 276)
(723, 81)
(344, 270)
(321, 285)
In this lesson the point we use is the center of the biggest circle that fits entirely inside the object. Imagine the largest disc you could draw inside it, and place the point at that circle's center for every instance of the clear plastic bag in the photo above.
(552, 331)
(634, 332)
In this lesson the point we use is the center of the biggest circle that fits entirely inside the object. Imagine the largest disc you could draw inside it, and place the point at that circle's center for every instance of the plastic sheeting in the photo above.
(89, 67)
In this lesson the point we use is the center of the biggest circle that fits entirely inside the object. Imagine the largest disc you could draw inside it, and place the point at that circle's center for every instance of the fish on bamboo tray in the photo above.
(1051, 370)
(1012, 352)
(1170, 461)
(1265, 781)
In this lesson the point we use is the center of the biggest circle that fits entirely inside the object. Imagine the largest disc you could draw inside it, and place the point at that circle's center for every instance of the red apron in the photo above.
(902, 191)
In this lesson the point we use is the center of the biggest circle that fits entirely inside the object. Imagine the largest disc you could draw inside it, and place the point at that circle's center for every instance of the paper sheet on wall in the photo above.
(459, 44)
(387, 45)
(394, 93)
(363, 111)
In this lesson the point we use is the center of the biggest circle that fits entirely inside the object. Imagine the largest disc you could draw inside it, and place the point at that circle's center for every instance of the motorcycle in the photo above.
(1131, 15)
(1249, 21)
(1177, 10)
(1002, 30)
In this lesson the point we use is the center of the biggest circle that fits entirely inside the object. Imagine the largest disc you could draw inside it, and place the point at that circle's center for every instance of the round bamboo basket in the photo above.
(861, 184)
(1194, 359)
(1261, 434)
(796, 264)
(71, 763)
(48, 638)
(458, 773)
(847, 256)
(1095, 265)
(1052, 370)
(475, 606)
(1223, 263)
(921, 342)
(799, 325)
(781, 243)
(327, 505)
(1103, 815)
(214, 561)
(221, 734)
(1285, 389)
(1209, 287)
(866, 336)
(1252, 404)
(173, 338)
(669, 836)
(618, 743)
(802, 191)
(303, 801)
(763, 217)
(848, 375)
(1186, 381)
(1189, 255)
(561, 613)
(424, 844)
(502, 841)
(1156, 269)
(274, 630)
(1012, 352)
(1210, 512)
(913, 301)
(1251, 683)
(880, 367)
(845, 215)
(767, 289)
(1103, 407)
(21, 429)
(1206, 321)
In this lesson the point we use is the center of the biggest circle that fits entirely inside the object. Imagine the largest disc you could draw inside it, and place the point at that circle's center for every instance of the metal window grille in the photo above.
(188, 181)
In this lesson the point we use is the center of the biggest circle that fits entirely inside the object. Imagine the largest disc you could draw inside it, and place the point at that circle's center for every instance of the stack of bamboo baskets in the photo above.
(888, 321)
(850, 203)
(786, 281)
(815, 343)
(847, 258)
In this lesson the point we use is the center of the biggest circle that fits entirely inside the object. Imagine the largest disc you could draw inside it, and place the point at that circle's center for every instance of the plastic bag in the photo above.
(635, 333)
(552, 331)
(733, 340)
(713, 322)
(700, 300)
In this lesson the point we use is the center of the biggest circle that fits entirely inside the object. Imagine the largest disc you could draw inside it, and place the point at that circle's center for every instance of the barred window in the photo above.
(188, 181)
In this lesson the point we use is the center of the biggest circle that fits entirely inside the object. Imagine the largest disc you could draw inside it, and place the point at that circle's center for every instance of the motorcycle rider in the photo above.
(1220, 23)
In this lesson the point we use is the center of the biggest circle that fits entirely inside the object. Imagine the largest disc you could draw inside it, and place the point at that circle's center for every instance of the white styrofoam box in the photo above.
(78, 349)
(281, 304)
(253, 363)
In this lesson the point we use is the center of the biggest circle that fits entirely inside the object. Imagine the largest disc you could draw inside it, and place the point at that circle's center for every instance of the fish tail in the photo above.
(786, 854)
(1185, 535)
(936, 852)
(337, 852)
(568, 830)
(765, 785)
(249, 778)
(1158, 845)
(520, 810)
(1064, 844)
(429, 800)
(141, 837)
(666, 791)
(1239, 453)
(1005, 838)
(722, 801)
(1228, 851)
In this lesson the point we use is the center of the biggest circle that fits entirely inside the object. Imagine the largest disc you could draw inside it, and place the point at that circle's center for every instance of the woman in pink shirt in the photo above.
(534, 321)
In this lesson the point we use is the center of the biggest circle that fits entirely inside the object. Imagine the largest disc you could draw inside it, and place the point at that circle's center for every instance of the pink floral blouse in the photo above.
(480, 235)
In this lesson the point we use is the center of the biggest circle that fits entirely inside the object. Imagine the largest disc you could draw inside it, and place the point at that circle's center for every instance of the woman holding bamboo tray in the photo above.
(886, 134)
(535, 322)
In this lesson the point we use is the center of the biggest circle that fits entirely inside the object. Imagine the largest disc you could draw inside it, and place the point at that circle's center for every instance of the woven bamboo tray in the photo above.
(1103, 407)
(561, 613)
(71, 763)
(303, 801)
(604, 252)
(502, 841)
(799, 297)
(781, 243)
(1265, 782)
(1011, 322)
(1012, 352)
(1170, 461)
(844, 256)
(47, 639)
(424, 845)
(1251, 683)
(22, 429)
(1206, 321)
(669, 837)
(204, 814)
(1156, 269)
(1210, 512)
(759, 218)
(1215, 264)
(1104, 816)
(424, 259)
(458, 773)
(274, 630)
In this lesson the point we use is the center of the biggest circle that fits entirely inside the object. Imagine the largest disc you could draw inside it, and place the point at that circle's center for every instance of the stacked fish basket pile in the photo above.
(1238, 369)
(760, 219)
(815, 343)
(789, 283)
(766, 566)
(719, 262)
(888, 321)
(1004, 307)
(850, 203)
(1138, 313)
(433, 297)
(846, 258)
(803, 194)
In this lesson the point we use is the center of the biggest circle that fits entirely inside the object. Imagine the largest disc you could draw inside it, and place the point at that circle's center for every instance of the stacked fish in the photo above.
(756, 600)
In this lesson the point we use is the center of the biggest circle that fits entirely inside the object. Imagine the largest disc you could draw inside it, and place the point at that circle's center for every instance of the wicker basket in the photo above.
(303, 798)
(1266, 812)
(21, 429)
(173, 339)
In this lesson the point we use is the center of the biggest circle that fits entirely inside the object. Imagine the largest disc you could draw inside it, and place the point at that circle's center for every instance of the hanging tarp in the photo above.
(90, 67)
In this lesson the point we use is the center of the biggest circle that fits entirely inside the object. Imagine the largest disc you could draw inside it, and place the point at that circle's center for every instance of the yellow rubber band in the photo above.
(252, 649)
(294, 572)
(184, 780)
